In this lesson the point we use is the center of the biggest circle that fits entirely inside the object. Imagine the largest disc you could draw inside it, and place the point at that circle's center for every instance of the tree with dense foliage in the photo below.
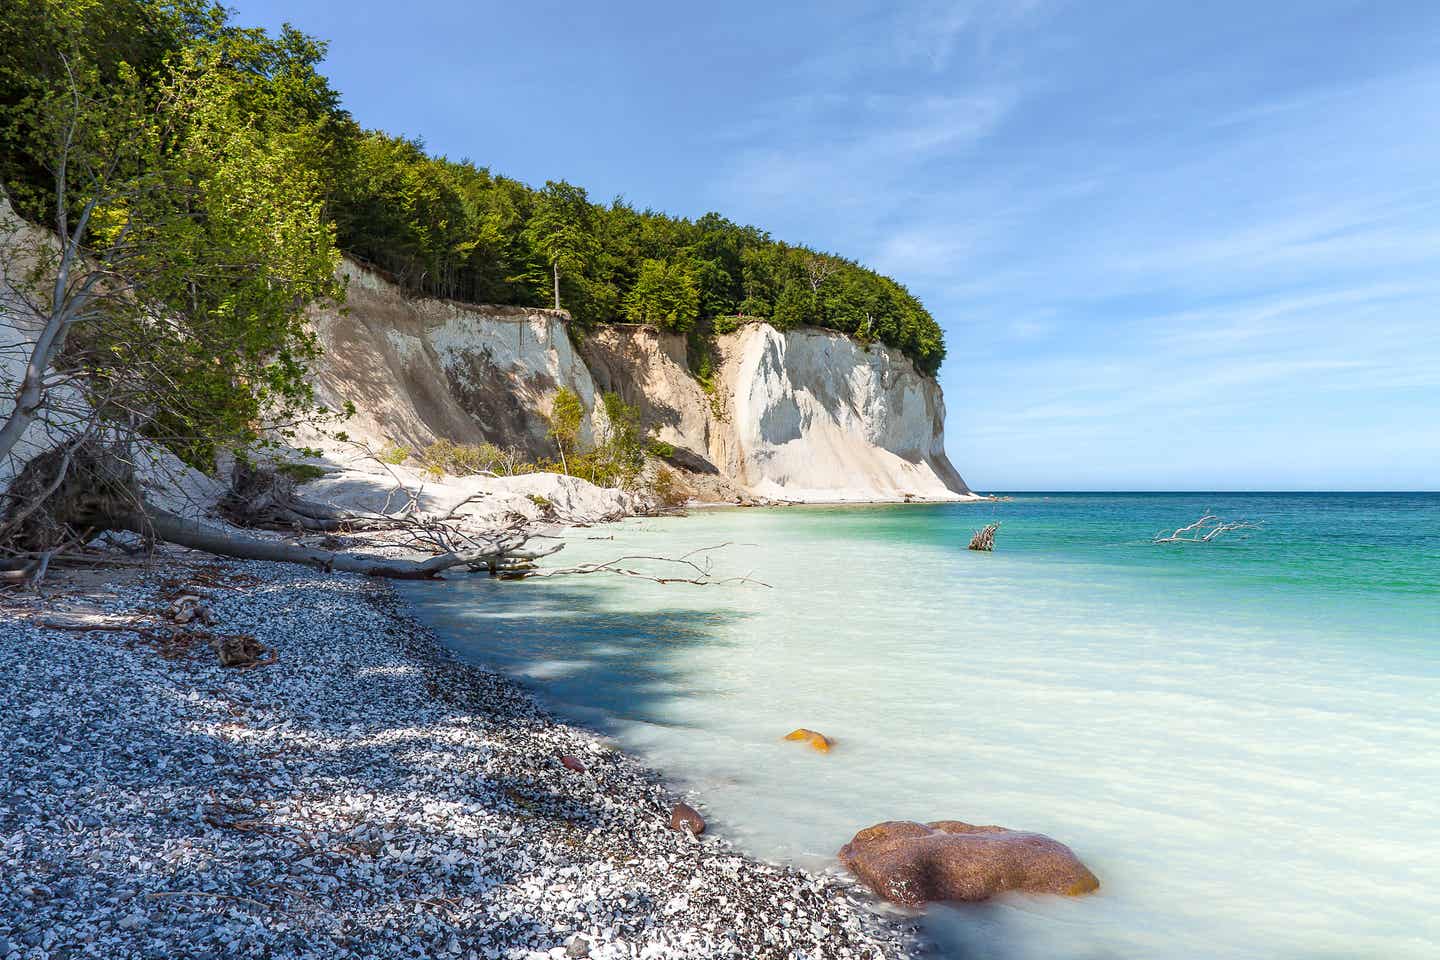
(190, 217)
(562, 229)
(567, 412)
(666, 295)
(622, 445)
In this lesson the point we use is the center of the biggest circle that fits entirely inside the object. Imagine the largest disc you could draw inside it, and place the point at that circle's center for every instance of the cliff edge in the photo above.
(801, 415)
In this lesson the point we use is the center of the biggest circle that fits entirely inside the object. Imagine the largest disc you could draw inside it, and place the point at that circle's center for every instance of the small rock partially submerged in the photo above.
(685, 817)
(817, 741)
(913, 863)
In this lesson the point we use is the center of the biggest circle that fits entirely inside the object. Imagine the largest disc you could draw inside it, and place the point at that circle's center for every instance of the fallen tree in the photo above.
(68, 496)
(78, 492)
(266, 499)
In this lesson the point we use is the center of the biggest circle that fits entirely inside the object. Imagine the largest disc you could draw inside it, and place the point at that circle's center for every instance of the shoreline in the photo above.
(367, 792)
(835, 502)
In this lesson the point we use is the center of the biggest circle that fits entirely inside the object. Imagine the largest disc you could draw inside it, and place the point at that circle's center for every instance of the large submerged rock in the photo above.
(913, 863)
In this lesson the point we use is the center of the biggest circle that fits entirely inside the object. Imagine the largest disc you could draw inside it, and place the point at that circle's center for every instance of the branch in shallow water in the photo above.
(1205, 529)
(702, 573)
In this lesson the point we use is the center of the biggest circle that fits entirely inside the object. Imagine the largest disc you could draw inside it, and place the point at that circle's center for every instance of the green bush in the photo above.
(665, 487)
(300, 472)
(465, 459)
(393, 454)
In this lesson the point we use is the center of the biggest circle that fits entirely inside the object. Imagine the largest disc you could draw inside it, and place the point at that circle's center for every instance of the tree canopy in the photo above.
(186, 191)
(272, 134)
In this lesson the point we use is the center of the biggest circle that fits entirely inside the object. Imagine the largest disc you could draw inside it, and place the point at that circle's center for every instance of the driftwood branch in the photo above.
(700, 572)
(693, 568)
(1205, 529)
(85, 622)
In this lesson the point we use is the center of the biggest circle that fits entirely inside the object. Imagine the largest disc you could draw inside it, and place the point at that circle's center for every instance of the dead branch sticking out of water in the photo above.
(985, 539)
(1205, 529)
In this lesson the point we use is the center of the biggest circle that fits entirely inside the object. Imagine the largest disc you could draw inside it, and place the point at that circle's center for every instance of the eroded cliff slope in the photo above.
(800, 415)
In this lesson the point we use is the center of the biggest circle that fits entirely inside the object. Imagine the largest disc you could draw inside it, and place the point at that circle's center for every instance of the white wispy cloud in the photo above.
(935, 33)
(856, 149)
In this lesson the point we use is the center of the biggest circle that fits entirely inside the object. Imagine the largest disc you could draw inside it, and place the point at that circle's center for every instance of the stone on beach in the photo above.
(817, 741)
(570, 762)
(685, 816)
(240, 650)
(913, 863)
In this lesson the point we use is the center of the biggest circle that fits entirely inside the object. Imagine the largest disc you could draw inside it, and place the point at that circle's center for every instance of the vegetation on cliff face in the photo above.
(440, 227)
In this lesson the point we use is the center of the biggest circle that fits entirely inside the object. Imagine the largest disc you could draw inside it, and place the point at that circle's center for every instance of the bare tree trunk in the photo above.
(555, 268)
(163, 525)
(66, 307)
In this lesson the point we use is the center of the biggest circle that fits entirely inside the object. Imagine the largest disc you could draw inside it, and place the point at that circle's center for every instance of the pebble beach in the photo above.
(358, 792)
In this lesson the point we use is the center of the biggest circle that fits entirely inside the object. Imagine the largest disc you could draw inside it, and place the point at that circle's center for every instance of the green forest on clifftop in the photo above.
(439, 227)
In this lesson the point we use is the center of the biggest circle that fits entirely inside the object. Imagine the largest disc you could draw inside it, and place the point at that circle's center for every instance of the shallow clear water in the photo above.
(1241, 739)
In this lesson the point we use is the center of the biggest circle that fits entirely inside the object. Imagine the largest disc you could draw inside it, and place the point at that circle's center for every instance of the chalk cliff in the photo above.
(800, 415)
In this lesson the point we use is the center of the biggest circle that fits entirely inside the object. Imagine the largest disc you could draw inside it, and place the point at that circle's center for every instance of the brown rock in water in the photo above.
(817, 741)
(571, 763)
(915, 863)
(684, 816)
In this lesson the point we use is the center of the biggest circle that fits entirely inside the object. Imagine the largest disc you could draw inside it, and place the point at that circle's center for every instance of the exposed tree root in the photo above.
(985, 539)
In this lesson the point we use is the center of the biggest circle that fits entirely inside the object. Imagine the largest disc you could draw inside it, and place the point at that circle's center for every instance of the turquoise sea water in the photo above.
(1242, 738)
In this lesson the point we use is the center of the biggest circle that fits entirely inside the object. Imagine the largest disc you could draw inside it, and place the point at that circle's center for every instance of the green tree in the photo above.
(567, 412)
(793, 308)
(191, 236)
(666, 295)
(562, 230)
(623, 446)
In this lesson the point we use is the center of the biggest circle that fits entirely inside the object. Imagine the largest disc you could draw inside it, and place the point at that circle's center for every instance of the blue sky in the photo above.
(1173, 245)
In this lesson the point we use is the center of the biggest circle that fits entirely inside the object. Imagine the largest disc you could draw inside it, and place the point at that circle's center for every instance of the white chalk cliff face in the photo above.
(818, 416)
(418, 370)
(802, 415)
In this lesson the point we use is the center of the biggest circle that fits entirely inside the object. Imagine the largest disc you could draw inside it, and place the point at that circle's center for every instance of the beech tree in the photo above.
(562, 229)
(190, 240)
(666, 295)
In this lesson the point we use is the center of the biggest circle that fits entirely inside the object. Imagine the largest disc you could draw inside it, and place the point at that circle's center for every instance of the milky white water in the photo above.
(1242, 740)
